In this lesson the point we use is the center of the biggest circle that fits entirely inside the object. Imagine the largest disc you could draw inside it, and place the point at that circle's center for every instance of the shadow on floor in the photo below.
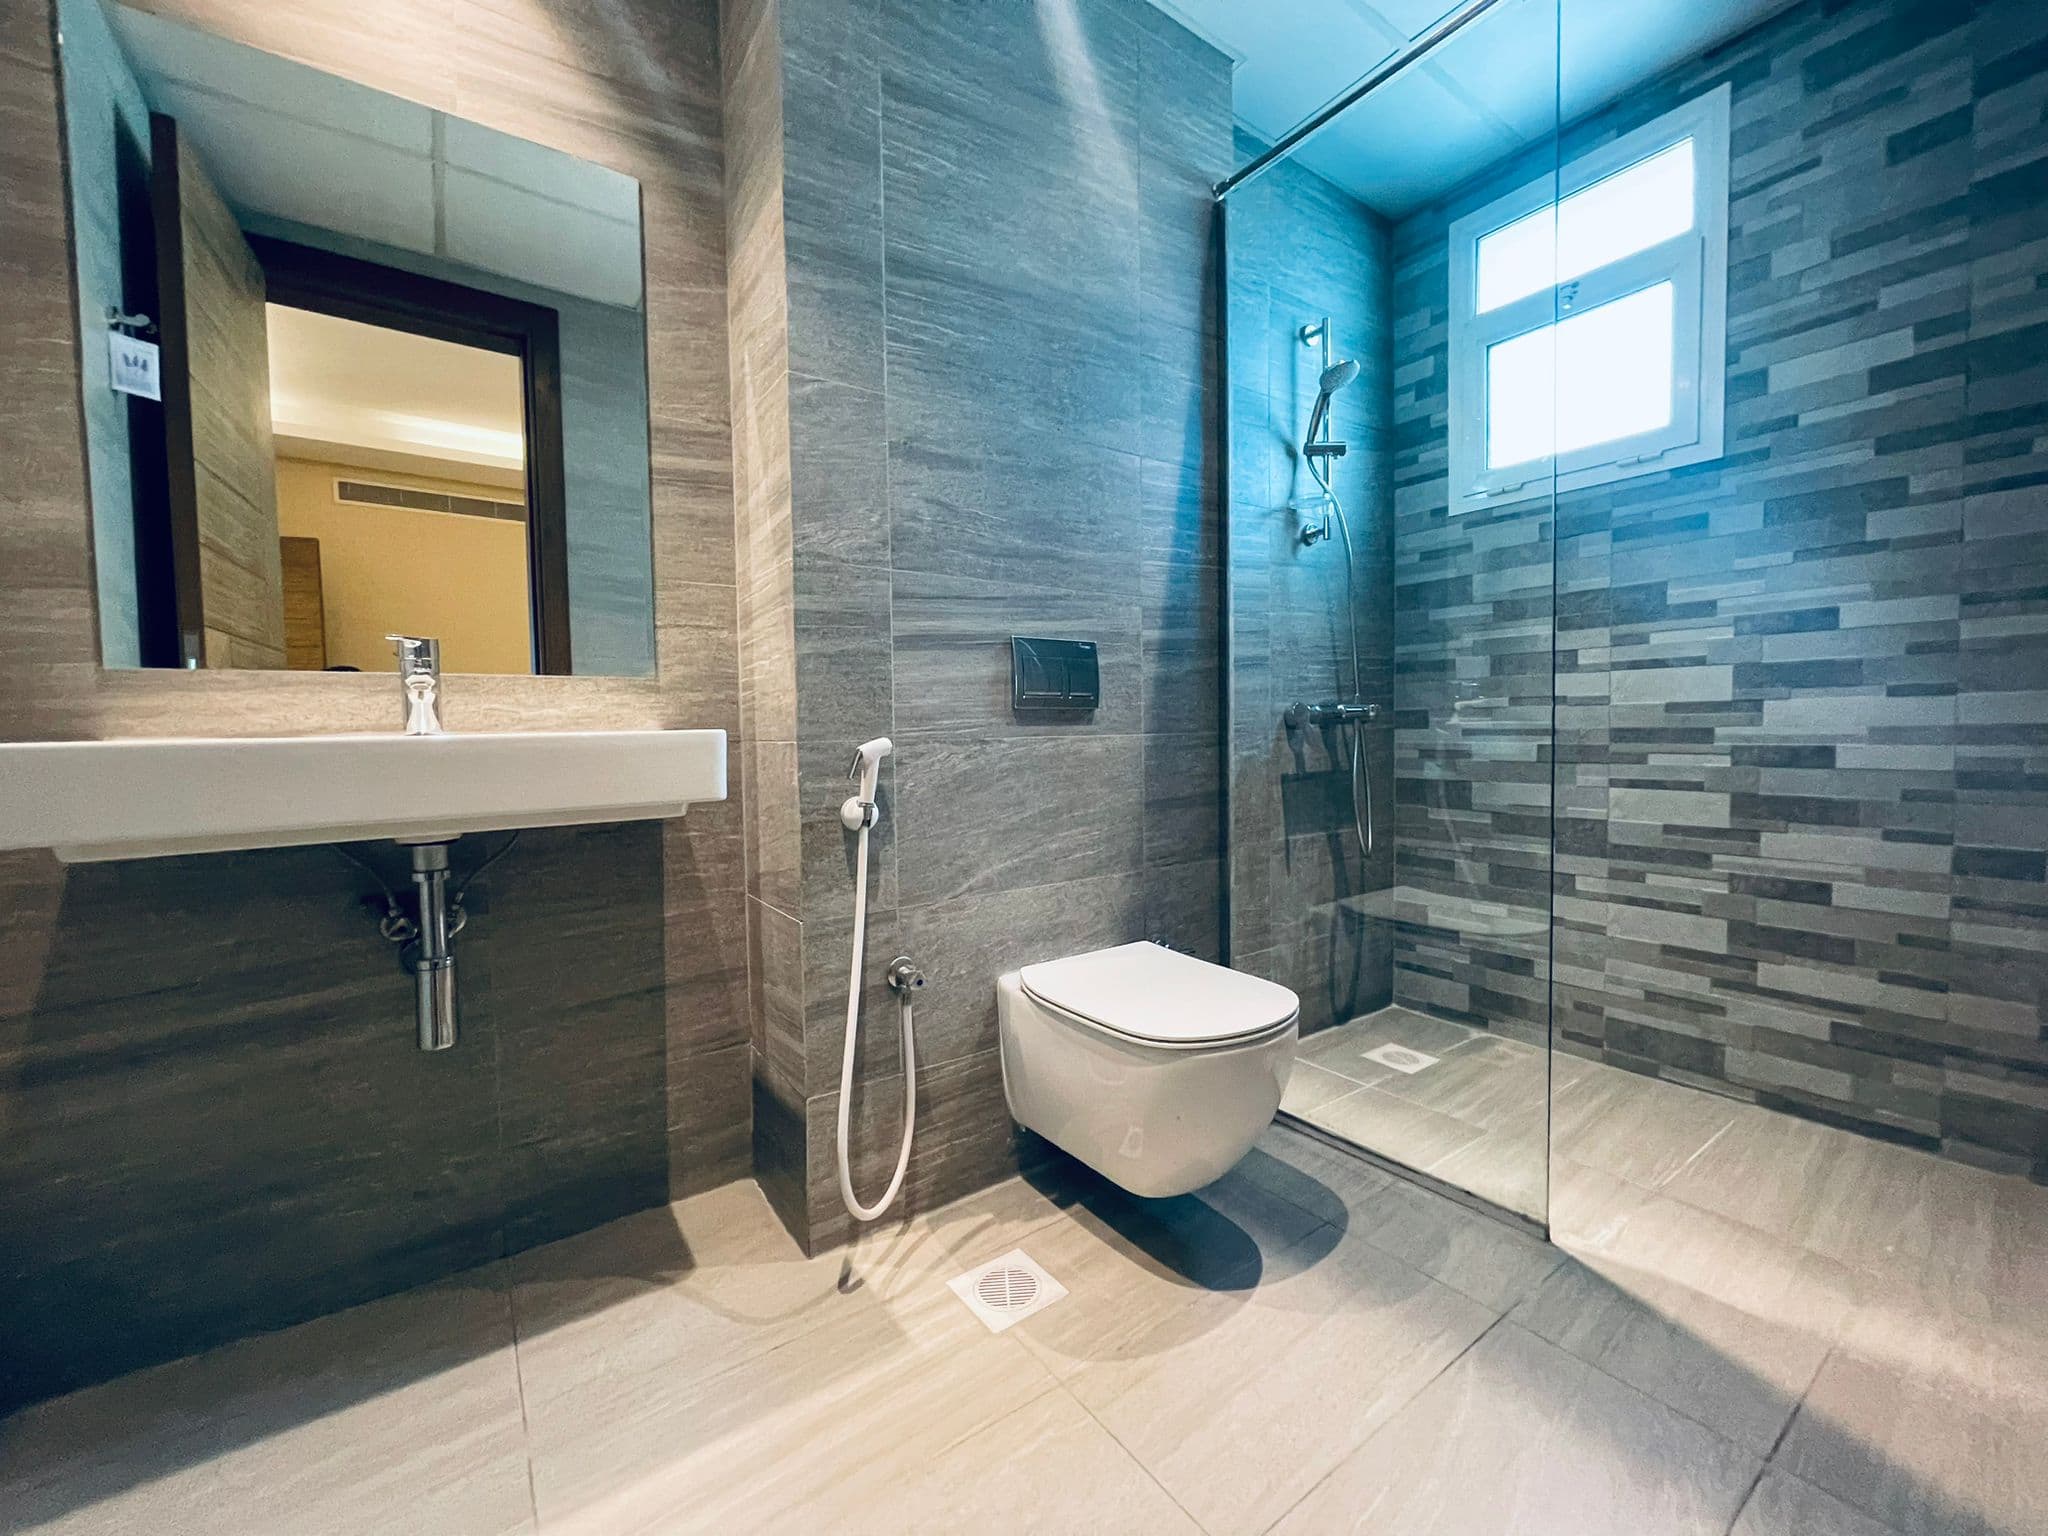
(1188, 1237)
(1221, 1240)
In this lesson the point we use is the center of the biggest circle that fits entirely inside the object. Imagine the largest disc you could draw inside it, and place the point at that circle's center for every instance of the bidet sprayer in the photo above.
(859, 810)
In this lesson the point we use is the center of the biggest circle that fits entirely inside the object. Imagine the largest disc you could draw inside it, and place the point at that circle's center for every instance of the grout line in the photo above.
(1345, 1460)
(1135, 1459)
(519, 1380)
(1771, 1455)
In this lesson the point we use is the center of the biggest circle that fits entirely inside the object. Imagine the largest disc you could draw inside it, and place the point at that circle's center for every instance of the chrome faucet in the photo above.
(419, 682)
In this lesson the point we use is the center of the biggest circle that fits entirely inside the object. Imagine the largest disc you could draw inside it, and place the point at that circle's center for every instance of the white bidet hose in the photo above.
(859, 814)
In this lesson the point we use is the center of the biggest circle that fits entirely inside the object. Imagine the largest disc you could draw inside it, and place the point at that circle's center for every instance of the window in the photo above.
(1588, 330)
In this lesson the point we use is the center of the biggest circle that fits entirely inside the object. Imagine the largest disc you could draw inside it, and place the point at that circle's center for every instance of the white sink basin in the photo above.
(135, 799)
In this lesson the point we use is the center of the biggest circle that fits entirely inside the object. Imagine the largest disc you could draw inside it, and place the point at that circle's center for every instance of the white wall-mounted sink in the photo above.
(135, 799)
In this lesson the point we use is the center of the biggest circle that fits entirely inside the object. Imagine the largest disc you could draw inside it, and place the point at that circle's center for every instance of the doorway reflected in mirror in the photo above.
(400, 363)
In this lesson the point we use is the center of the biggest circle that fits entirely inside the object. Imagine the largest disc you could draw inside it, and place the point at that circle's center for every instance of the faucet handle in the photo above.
(419, 682)
(416, 653)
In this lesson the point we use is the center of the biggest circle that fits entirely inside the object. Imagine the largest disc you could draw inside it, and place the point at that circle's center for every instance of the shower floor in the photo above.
(1476, 1115)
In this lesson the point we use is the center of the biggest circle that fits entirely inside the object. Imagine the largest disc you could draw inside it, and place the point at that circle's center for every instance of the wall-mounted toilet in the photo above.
(1154, 1068)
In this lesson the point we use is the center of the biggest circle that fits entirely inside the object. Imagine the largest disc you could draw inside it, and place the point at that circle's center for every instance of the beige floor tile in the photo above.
(897, 1262)
(1507, 1165)
(1147, 1277)
(1519, 1438)
(698, 1287)
(1784, 1506)
(1048, 1467)
(401, 1415)
(1294, 1159)
(1588, 1205)
(1767, 1171)
(1490, 1083)
(1938, 1455)
(1395, 1128)
(1634, 1127)
(710, 1283)
(1239, 1404)
(1218, 1355)
(1891, 1210)
(1310, 1088)
(1342, 1048)
(1472, 1253)
(1725, 1324)
(1941, 1335)
(874, 1388)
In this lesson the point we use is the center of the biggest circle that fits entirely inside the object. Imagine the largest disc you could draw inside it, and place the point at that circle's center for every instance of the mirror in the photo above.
(351, 367)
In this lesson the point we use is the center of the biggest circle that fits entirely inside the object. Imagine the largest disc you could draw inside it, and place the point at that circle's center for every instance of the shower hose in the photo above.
(860, 938)
(1361, 777)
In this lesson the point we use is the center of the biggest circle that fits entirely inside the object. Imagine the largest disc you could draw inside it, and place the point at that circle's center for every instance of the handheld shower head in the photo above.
(1337, 375)
(1316, 444)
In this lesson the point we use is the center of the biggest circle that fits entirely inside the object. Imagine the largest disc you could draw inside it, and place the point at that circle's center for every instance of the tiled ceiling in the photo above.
(290, 143)
(1506, 80)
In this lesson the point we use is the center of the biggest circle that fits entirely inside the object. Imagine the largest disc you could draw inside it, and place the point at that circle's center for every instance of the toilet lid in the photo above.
(1157, 995)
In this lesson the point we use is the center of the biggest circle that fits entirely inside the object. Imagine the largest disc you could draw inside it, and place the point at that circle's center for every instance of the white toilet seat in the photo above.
(1128, 1037)
(1159, 997)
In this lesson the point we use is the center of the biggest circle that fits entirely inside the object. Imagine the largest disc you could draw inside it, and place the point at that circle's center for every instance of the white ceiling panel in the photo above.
(285, 142)
(496, 227)
(307, 173)
(538, 169)
(1379, 142)
(1493, 88)
(166, 51)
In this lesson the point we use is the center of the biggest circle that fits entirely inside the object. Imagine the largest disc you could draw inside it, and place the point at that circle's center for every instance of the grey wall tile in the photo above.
(1042, 291)
(997, 815)
(966, 943)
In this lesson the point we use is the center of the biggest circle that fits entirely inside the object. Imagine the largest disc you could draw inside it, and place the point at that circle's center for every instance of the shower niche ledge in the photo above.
(150, 797)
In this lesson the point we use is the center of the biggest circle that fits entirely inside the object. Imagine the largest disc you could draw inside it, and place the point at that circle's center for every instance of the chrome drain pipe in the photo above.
(433, 966)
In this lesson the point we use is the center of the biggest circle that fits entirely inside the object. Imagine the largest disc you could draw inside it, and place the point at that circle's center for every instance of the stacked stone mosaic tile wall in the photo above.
(1802, 691)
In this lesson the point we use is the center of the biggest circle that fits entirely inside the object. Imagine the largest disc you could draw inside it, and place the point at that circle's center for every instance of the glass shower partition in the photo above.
(1392, 598)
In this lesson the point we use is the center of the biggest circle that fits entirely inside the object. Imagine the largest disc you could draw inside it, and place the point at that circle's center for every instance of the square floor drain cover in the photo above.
(1400, 1058)
(1005, 1291)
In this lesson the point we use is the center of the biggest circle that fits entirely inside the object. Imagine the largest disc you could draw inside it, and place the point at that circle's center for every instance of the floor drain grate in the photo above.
(1007, 1290)
(1400, 1058)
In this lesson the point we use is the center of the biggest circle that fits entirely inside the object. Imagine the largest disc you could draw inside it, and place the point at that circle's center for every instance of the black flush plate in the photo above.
(1054, 674)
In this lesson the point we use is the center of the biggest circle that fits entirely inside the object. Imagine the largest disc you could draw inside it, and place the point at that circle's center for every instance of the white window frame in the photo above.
(1695, 263)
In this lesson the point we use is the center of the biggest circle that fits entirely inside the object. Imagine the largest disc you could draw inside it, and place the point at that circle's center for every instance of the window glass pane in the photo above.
(1516, 261)
(1614, 370)
(1596, 378)
(1520, 374)
(1632, 210)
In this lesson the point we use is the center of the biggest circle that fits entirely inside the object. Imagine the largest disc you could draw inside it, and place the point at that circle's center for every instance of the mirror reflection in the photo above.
(353, 367)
